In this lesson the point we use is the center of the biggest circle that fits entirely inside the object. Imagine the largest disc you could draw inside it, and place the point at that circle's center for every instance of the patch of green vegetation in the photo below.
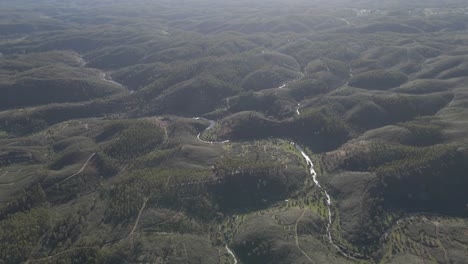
(152, 192)
(29, 198)
(378, 80)
(388, 27)
(268, 78)
(307, 88)
(53, 84)
(424, 86)
(155, 158)
(138, 138)
(375, 111)
(420, 237)
(315, 127)
(153, 185)
(423, 133)
(192, 97)
(68, 158)
(106, 166)
(20, 232)
(258, 101)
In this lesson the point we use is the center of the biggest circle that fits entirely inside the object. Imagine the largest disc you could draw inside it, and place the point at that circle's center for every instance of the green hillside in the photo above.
(205, 131)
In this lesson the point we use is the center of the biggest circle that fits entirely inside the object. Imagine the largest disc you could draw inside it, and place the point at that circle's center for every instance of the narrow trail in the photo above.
(231, 253)
(166, 135)
(407, 57)
(138, 217)
(297, 237)
(58, 254)
(350, 74)
(8, 183)
(213, 180)
(8, 144)
(312, 172)
(80, 171)
(447, 106)
(440, 242)
(162, 222)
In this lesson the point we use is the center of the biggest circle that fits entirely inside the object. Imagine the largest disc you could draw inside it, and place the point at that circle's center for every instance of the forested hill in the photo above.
(205, 131)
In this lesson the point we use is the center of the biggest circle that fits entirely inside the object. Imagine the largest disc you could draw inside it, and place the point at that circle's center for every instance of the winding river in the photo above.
(232, 254)
(103, 75)
(312, 172)
(211, 126)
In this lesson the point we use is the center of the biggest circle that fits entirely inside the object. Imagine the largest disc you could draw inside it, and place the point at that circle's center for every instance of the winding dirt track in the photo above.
(440, 242)
(297, 238)
(139, 216)
(81, 170)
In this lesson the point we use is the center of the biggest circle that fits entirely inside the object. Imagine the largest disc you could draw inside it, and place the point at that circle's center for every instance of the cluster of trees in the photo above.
(410, 178)
(155, 158)
(372, 224)
(236, 184)
(28, 198)
(320, 129)
(67, 158)
(193, 97)
(256, 251)
(378, 110)
(23, 62)
(433, 180)
(423, 133)
(379, 154)
(64, 233)
(124, 201)
(408, 159)
(155, 185)
(20, 232)
(248, 183)
(388, 27)
(307, 88)
(231, 166)
(270, 77)
(106, 166)
(402, 108)
(138, 138)
(378, 80)
(176, 70)
(22, 125)
(424, 86)
(28, 92)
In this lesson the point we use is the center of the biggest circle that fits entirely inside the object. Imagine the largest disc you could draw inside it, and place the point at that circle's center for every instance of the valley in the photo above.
(265, 131)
